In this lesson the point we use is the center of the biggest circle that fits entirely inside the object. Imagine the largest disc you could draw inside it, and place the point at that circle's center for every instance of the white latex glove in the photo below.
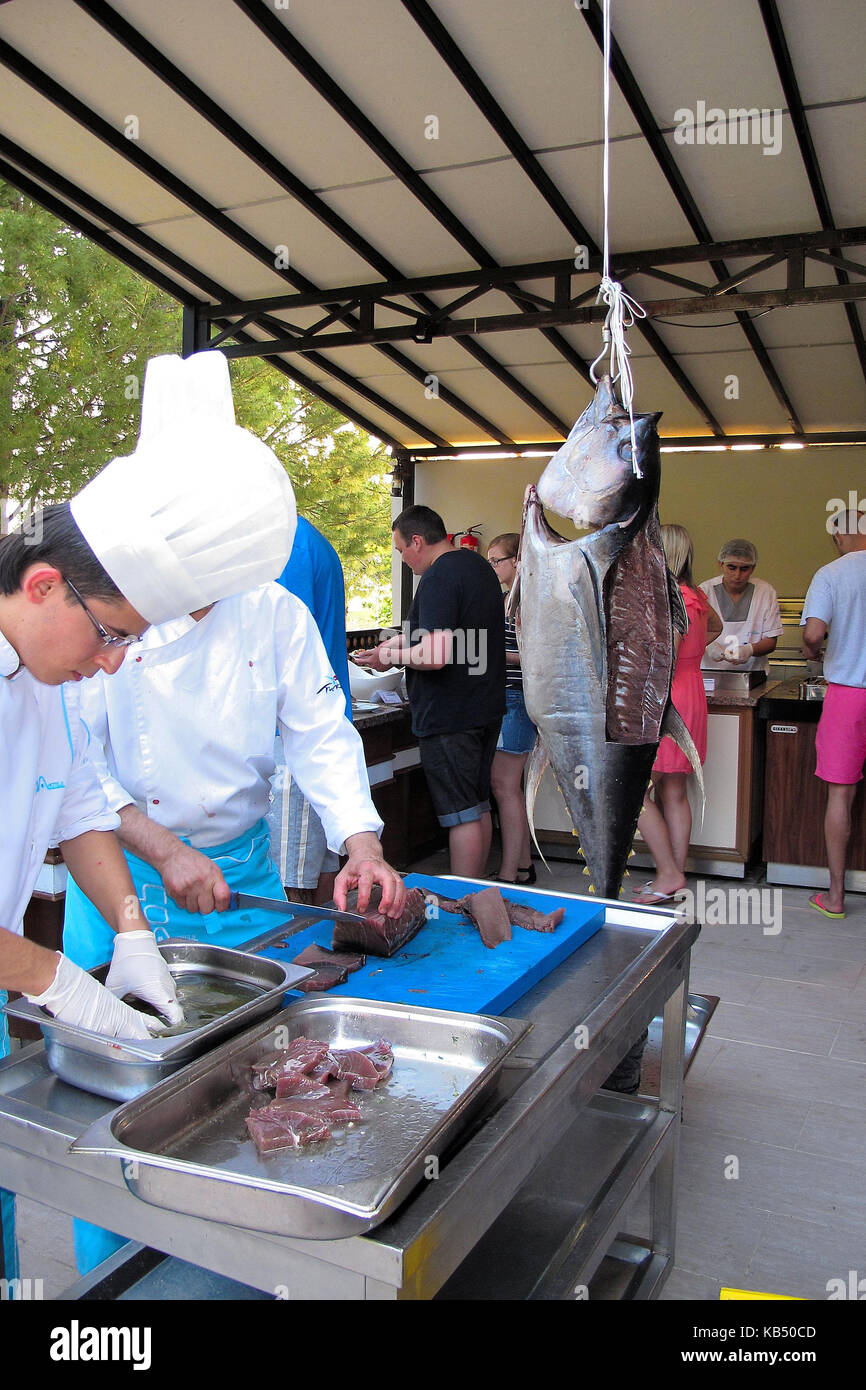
(74, 997)
(138, 968)
(715, 651)
(737, 653)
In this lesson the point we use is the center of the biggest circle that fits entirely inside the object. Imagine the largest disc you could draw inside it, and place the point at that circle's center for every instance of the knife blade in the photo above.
(246, 900)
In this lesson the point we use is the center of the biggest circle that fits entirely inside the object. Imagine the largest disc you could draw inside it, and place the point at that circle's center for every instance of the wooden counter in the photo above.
(398, 785)
(796, 799)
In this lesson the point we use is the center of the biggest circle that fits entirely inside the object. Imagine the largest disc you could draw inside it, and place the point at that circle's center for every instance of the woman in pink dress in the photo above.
(666, 819)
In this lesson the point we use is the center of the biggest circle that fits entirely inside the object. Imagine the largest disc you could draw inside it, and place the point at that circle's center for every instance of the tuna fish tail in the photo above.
(536, 764)
(674, 728)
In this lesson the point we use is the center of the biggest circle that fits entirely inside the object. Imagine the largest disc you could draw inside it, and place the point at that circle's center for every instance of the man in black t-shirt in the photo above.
(453, 648)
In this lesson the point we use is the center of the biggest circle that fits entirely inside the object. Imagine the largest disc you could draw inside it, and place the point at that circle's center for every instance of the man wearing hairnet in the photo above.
(748, 608)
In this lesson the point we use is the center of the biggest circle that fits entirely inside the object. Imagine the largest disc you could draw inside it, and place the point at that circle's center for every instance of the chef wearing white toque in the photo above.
(200, 510)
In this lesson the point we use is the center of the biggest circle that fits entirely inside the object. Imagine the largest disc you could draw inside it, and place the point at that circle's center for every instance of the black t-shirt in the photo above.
(459, 592)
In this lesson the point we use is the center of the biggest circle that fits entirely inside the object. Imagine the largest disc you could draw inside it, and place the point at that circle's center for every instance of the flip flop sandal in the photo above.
(649, 897)
(815, 902)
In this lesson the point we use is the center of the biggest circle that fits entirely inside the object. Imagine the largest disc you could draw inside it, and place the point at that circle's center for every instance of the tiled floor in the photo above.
(773, 1159)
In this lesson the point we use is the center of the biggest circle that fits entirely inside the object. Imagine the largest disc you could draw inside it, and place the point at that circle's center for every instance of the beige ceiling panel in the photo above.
(558, 97)
(737, 392)
(643, 210)
(102, 74)
(681, 52)
(391, 217)
(198, 242)
(506, 213)
(433, 411)
(382, 61)
(226, 55)
(839, 135)
(829, 383)
(655, 390)
(311, 247)
(44, 131)
(743, 192)
(824, 47)
(495, 402)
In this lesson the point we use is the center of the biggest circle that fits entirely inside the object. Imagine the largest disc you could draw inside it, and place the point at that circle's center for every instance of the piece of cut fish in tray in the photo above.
(194, 1153)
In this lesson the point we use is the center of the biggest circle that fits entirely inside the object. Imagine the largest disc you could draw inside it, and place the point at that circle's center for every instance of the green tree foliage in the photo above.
(76, 330)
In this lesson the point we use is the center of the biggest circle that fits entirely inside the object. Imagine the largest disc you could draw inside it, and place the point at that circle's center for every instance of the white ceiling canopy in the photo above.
(400, 202)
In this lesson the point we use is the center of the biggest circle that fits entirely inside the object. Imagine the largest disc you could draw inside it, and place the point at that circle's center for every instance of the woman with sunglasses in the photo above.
(517, 736)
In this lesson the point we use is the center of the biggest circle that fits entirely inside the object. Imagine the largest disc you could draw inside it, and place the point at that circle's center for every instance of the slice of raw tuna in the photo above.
(358, 1068)
(380, 935)
(490, 915)
(324, 977)
(380, 1055)
(314, 956)
(532, 920)
(290, 1133)
(334, 1106)
(297, 1084)
(300, 1057)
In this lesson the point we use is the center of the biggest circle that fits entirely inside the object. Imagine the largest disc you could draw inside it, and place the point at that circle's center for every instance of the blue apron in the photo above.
(9, 1248)
(88, 940)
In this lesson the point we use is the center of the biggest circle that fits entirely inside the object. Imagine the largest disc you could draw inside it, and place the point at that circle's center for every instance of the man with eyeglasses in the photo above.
(748, 608)
(199, 511)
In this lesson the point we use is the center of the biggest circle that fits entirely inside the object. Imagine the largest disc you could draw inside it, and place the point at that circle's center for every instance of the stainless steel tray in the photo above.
(122, 1068)
(184, 1146)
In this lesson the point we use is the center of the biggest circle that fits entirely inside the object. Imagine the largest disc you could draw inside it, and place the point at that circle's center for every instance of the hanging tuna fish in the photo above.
(596, 621)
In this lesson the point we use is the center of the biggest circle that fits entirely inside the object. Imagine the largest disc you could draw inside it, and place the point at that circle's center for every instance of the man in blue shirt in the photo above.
(298, 846)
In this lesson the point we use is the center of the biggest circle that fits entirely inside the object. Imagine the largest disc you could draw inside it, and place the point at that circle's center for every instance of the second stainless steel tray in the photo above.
(185, 1147)
(121, 1068)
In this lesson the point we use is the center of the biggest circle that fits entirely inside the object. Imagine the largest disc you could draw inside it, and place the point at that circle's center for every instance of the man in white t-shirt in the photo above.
(837, 600)
(748, 608)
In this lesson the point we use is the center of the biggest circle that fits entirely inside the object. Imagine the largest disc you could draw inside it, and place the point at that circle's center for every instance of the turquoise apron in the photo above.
(88, 940)
(9, 1247)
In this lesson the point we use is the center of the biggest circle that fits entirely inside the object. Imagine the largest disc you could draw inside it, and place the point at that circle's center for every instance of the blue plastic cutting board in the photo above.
(447, 966)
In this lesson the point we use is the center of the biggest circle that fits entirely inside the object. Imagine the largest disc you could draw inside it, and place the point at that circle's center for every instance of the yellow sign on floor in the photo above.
(733, 1295)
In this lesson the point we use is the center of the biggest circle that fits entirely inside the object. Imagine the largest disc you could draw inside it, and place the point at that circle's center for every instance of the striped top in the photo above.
(513, 674)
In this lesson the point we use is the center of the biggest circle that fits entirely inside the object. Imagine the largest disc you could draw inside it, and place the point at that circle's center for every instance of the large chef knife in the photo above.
(289, 909)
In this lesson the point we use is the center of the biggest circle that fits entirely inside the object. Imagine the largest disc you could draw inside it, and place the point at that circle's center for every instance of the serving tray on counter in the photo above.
(184, 1146)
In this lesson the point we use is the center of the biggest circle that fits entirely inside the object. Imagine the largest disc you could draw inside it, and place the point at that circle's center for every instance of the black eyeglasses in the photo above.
(107, 639)
(502, 560)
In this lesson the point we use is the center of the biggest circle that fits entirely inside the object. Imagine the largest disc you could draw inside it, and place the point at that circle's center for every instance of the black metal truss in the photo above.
(680, 441)
(559, 305)
(639, 107)
(791, 89)
(127, 149)
(213, 113)
(448, 50)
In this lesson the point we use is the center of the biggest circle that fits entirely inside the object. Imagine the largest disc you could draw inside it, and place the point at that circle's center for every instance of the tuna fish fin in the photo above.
(535, 768)
(673, 727)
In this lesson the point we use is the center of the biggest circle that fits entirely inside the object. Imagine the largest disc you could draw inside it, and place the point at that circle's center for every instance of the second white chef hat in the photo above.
(202, 509)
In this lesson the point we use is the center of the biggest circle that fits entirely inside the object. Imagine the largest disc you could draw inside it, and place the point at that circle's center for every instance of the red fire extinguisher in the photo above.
(467, 539)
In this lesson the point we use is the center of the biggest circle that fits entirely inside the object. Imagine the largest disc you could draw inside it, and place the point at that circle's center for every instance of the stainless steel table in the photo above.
(530, 1204)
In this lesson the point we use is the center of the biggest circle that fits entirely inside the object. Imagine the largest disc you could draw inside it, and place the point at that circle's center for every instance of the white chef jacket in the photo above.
(49, 791)
(761, 619)
(185, 729)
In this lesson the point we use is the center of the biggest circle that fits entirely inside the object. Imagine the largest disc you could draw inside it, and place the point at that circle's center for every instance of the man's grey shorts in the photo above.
(298, 845)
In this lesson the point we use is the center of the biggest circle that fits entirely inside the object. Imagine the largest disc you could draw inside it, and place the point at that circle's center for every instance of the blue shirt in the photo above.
(315, 576)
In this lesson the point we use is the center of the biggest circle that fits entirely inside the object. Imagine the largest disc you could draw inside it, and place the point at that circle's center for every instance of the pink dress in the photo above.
(687, 688)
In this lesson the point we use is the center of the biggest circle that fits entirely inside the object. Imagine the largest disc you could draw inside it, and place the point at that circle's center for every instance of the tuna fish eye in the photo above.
(624, 450)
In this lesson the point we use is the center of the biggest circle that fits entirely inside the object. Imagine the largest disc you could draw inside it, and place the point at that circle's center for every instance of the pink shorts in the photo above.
(841, 738)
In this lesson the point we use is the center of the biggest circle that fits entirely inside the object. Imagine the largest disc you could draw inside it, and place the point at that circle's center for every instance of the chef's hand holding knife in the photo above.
(366, 865)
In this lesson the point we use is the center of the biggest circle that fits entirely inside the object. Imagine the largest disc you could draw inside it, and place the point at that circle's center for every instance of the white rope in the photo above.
(622, 310)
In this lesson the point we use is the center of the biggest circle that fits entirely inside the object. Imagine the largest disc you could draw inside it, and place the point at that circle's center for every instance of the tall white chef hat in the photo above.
(201, 510)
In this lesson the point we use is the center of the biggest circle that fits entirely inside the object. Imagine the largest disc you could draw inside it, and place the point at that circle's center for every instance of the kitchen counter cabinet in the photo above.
(397, 784)
(796, 799)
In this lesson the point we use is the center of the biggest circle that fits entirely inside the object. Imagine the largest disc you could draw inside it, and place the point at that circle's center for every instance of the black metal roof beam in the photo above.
(129, 152)
(630, 263)
(130, 232)
(146, 53)
(490, 108)
(732, 442)
(684, 306)
(790, 86)
(265, 19)
(592, 13)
